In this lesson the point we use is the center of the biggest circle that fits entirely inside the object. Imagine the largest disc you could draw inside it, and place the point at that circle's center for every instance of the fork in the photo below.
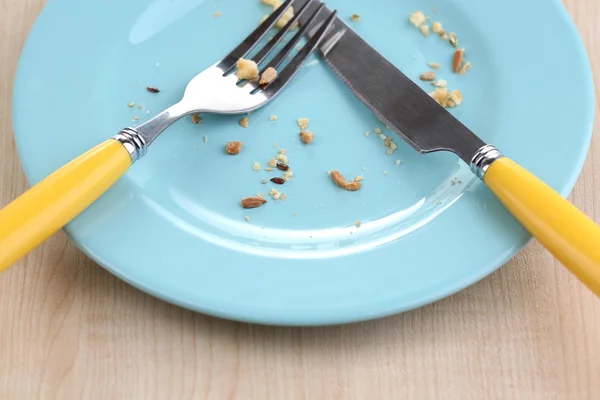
(52, 203)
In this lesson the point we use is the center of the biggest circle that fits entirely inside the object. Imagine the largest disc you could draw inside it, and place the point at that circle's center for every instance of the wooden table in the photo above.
(70, 330)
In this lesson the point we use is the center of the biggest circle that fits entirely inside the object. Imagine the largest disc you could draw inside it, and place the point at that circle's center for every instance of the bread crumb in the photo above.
(441, 83)
(357, 224)
(286, 17)
(195, 118)
(205, 139)
(417, 18)
(389, 152)
(378, 131)
(434, 65)
(269, 169)
(456, 97)
(382, 136)
(359, 178)
(282, 158)
(233, 148)
(440, 95)
(263, 181)
(424, 30)
(256, 166)
(272, 3)
(398, 162)
(303, 123)
(307, 137)
(355, 18)
(385, 172)
(244, 122)
(268, 76)
(453, 39)
(288, 175)
(247, 69)
(436, 27)
(465, 68)
(140, 107)
(131, 104)
(428, 76)
(247, 218)
(217, 13)
(367, 133)
(273, 118)
(273, 162)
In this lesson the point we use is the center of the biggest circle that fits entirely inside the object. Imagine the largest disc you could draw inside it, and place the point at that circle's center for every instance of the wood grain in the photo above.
(70, 330)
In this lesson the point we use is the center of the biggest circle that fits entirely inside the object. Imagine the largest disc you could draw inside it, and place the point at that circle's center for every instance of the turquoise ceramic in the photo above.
(173, 226)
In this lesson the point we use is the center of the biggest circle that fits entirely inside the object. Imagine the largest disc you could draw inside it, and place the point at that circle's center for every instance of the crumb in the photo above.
(355, 18)
(385, 172)
(282, 158)
(339, 180)
(268, 76)
(428, 76)
(217, 13)
(393, 146)
(443, 35)
(294, 214)
(307, 137)
(136, 118)
(303, 123)
(436, 27)
(256, 166)
(284, 196)
(357, 224)
(367, 133)
(457, 60)
(359, 178)
(465, 68)
(398, 162)
(276, 194)
(196, 118)
(440, 83)
(434, 65)
(440, 95)
(263, 181)
(273, 118)
(233, 148)
(417, 18)
(282, 151)
(389, 152)
(456, 97)
(287, 175)
(382, 136)
(140, 107)
(378, 131)
(244, 122)
(268, 169)
(271, 3)
(247, 218)
(273, 162)
(247, 69)
(424, 30)
(286, 17)
(131, 104)
(205, 139)
(453, 39)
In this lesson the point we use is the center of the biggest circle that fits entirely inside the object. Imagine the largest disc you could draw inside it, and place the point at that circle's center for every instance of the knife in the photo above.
(414, 115)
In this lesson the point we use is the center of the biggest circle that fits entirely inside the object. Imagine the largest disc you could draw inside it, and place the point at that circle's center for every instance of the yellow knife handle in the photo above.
(566, 232)
(52, 203)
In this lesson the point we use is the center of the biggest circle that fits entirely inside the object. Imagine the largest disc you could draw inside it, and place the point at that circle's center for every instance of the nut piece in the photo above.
(253, 202)
(436, 27)
(244, 122)
(268, 76)
(339, 180)
(417, 18)
(424, 30)
(195, 118)
(233, 148)
(457, 60)
(428, 76)
(307, 137)
(434, 65)
(247, 69)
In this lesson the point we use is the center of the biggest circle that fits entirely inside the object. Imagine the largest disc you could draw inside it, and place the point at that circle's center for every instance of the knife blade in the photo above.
(396, 100)
(404, 107)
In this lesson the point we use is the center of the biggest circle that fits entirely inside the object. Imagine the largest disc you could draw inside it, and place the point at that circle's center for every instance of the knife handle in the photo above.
(566, 232)
(52, 203)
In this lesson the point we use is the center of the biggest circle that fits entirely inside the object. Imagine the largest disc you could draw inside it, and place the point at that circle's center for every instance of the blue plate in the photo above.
(173, 226)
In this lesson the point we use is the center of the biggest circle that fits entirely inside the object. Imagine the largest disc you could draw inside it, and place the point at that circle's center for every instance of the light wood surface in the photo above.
(70, 330)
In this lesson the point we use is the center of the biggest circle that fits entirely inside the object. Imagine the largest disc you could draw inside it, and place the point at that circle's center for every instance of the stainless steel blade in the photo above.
(397, 101)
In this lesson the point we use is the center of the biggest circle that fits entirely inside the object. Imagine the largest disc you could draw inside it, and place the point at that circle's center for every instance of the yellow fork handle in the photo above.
(565, 231)
(55, 201)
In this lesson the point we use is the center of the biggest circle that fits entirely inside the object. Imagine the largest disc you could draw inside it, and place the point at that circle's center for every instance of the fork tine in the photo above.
(290, 70)
(287, 49)
(252, 40)
(265, 51)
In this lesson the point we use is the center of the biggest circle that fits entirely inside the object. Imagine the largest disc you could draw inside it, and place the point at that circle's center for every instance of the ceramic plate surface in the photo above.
(173, 226)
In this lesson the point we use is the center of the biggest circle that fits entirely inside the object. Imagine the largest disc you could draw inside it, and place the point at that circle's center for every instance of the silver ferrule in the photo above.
(482, 160)
(133, 142)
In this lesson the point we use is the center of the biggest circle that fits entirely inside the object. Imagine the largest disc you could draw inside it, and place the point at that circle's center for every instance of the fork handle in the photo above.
(566, 232)
(55, 201)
